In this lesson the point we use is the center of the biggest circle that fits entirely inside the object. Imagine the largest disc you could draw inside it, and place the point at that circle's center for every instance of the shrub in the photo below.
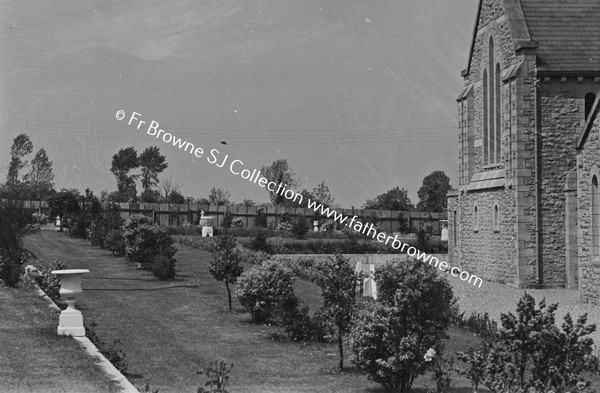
(250, 256)
(227, 219)
(225, 264)
(300, 227)
(103, 222)
(260, 220)
(163, 267)
(531, 354)
(263, 289)
(277, 245)
(115, 242)
(50, 283)
(481, 325)
(259, 243)
(15, 223)
(113, 352)
(145, 241)
(216, 378)
(391, 337)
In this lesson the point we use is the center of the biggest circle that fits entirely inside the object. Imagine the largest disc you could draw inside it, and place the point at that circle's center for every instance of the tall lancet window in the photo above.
(492, 138)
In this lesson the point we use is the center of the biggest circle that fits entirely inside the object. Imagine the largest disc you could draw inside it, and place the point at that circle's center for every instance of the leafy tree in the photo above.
(21, 147)
(248, 203)
(280, 173)
(40, 179)
(66, 204)
(394, 199)
(319, 194)
(391, 337)
(322, 195)
(122, 164)
(151, 196)
(152, 164)
(337, 281)
(225, 264)
(176, 197)
(16, 222)
(433, 192)
(219, 196)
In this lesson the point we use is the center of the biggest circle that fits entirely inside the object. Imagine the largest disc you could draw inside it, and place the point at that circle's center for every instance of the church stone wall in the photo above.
(589, 271)
(488, 249)
(561, 120)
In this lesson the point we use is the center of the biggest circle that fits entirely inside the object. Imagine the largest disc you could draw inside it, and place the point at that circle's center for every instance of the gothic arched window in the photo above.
(589, 103)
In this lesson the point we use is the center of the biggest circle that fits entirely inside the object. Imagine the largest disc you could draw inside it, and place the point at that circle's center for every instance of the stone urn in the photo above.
(71, 320)
(206, 222)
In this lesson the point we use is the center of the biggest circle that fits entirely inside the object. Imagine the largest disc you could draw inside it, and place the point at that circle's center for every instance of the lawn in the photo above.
(170, 329)
(34, 358)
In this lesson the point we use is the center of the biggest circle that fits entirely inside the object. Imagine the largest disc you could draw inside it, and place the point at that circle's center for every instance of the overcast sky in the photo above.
(360, 94)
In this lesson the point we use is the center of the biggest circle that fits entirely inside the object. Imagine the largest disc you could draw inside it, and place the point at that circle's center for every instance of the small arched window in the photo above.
(589, 103)
(475, 219)
(496, 218)
(454, 228)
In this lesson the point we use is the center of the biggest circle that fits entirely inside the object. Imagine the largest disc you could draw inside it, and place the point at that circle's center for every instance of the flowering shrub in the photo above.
(393, 339)
(149, 245)
(531, 354)
(263, 289)
(50, 283)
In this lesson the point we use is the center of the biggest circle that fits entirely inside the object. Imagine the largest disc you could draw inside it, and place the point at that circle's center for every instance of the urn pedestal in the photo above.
(71, 320)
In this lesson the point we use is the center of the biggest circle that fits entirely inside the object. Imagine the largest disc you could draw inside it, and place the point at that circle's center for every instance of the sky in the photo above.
(359, 94)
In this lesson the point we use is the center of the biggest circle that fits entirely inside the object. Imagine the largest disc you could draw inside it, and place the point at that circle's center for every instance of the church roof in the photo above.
(567, 32)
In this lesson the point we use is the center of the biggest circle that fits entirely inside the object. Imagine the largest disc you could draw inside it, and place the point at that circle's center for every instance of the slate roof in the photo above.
(568, 33)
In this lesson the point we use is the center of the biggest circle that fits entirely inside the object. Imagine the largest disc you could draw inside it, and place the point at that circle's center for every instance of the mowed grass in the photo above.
(34, 358)
(170, 329)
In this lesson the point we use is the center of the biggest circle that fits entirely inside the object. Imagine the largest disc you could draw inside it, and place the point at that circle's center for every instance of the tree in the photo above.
(122, 164)
(40, 179)
(319, 194)
(152, 164)
(394, 199)
(225, 264)
(219, 196)
(248, 203)
(338, 290)
(433, 192)
(21, 147)
(16, 222)
(280, 173)
(66, 204)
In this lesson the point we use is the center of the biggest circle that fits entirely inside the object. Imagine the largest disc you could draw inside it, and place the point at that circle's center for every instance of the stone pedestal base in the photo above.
(207, 232)
(71, 321)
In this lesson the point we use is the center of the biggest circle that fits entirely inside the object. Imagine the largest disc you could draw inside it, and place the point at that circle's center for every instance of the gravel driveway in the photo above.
(496, 299)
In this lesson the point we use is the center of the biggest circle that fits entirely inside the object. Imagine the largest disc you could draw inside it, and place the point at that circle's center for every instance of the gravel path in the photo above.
(496, 299)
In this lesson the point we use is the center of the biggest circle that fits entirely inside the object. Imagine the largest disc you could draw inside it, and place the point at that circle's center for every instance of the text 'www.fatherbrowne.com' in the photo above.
(237, 167)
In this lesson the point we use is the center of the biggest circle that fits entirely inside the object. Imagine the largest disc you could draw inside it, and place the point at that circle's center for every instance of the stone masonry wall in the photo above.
(589, 271)
(491, 23)
(561, 119)
(488, 250)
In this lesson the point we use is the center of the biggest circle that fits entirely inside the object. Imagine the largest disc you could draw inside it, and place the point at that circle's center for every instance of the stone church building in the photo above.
(526, 211)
